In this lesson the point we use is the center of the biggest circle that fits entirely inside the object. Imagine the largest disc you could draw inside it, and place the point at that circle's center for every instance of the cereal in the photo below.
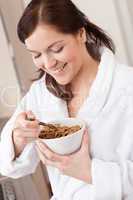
(57, 131)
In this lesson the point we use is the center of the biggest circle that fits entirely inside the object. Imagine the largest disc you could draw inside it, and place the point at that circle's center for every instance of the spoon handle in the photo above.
(43, 123)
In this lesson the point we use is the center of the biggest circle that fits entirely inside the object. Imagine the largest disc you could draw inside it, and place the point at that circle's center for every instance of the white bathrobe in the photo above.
(108, 111)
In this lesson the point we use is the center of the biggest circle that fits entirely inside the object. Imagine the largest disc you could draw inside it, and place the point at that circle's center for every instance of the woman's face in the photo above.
(58, 54)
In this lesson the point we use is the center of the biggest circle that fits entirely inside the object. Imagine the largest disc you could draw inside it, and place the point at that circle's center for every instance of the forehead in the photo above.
(44, 35)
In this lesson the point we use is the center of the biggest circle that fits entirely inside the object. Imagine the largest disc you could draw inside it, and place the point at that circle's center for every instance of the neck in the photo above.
(85, 77)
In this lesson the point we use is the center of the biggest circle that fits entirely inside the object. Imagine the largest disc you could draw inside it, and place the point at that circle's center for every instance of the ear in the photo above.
(82, 35)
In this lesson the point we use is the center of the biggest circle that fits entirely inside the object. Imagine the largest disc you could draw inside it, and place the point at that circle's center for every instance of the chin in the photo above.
(62, 82)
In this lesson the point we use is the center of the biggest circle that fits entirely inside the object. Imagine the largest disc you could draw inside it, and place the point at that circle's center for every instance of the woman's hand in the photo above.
(77, 165)
(24, 131)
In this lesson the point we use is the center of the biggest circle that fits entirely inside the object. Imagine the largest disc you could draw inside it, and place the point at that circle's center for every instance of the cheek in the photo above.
(37, 63)
(71, 56)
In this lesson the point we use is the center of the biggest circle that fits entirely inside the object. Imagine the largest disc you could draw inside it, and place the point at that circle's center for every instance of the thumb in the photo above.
(85, 140)
(30, 115)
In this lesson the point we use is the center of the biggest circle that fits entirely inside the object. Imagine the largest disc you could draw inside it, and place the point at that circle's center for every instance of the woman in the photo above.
(79, 77)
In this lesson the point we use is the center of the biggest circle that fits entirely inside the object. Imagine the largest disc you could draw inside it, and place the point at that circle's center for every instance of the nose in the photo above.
(49, 61)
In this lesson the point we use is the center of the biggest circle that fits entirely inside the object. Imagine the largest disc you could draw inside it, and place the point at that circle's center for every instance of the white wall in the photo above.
(125, 16)
(104, 14)
(9, 89)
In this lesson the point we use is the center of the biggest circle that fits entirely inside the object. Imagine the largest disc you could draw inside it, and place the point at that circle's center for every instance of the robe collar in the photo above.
(98, 94)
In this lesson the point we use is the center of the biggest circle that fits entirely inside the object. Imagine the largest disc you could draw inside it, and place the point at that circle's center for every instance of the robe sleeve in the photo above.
(27, 162)
(110, 180)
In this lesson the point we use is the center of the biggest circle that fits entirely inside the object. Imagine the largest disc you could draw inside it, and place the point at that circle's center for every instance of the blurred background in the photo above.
(17, 69)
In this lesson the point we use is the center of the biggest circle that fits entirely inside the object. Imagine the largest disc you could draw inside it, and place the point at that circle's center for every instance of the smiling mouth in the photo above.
(60, 69)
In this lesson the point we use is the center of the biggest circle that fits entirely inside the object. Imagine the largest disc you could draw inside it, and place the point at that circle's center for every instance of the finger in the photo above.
(30, 115)
(45, 160)
(49, 153)
(29, 124)
(85, 141)
(34, 133)
(22, 121)
(21, 116)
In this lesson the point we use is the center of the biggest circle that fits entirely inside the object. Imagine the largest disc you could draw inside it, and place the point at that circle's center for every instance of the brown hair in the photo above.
(68, 19)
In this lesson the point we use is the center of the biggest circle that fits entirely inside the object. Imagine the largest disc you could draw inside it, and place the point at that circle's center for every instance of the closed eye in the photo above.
(37, 56)
(58, 50)
(53, 50)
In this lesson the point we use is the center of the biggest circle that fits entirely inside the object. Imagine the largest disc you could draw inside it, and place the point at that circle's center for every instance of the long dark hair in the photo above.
(68, 19)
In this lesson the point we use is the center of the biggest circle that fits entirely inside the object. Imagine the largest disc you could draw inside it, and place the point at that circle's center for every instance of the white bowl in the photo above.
(66, 144)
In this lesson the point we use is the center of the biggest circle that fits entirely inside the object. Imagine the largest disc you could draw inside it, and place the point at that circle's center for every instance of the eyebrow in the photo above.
(51, 45)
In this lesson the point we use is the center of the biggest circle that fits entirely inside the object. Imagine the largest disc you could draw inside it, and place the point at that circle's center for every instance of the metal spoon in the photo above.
(43, 123)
